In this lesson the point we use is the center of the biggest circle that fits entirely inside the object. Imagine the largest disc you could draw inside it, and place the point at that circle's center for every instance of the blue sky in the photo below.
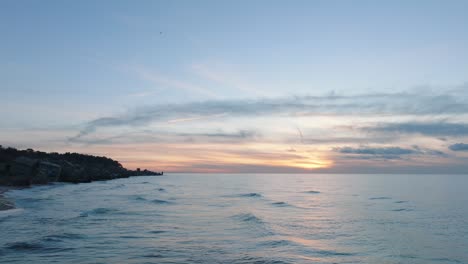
(290, 86)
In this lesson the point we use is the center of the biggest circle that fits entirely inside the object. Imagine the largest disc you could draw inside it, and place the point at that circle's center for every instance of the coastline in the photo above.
(29, 167)
(23, 168)
(4, 203)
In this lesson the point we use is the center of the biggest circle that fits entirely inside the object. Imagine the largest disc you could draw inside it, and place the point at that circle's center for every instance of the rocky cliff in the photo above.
(26, 167)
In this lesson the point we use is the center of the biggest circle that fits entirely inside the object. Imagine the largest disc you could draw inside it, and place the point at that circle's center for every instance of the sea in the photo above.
(241, 218)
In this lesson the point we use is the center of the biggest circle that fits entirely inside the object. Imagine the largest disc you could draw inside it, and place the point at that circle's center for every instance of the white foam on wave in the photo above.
(11, 212)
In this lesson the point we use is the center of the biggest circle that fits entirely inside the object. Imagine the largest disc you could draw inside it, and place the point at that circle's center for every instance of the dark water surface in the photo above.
(266, 218)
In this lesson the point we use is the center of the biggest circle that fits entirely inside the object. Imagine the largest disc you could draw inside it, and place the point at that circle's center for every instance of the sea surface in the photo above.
(247, 218)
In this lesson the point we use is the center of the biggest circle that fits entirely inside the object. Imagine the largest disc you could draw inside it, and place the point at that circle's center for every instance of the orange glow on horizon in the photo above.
(211, 159)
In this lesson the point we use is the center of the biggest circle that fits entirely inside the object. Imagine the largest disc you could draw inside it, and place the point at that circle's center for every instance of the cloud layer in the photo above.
(365, 104)
(334, 133)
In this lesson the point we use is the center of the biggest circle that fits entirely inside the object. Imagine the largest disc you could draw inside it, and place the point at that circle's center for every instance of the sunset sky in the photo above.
(240, 86)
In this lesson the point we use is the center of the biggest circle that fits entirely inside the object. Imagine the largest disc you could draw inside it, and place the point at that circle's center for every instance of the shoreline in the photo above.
(5, 204)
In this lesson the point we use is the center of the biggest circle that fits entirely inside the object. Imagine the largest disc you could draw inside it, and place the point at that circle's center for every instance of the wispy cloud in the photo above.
(163, 137)
(241, 134)
(427, 128)
(195, 118)
(459, 147)
(227, 79)
(385, 152)
(160, 80)
(376, 151)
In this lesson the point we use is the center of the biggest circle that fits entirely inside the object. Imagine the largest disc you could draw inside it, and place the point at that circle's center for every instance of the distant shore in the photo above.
(29, 167)
(22, 168)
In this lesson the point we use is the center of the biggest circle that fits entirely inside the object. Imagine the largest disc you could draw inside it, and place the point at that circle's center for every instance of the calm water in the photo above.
(241, 219)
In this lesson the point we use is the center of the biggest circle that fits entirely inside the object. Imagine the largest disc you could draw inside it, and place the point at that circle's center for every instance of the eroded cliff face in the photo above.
(26, 167)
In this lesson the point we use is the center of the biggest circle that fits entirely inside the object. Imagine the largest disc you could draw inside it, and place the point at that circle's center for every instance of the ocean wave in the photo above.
(153, 256)
(380, 198)
(256, 260)
(157, 201)
(138, 198)
(118, 186)
(63, 236)
(157, 232)
(403, 210)
(399, 202)
(98, 211)
(33, 246)
(281, 204)
(30, 200)
(275, 243)
(248, 218)
(333, 253)
(244, 195)
(103, 210)
(257, 195)
(446, 260)
(130, 237)
(312, 192)
(24, 246)
(10, 212)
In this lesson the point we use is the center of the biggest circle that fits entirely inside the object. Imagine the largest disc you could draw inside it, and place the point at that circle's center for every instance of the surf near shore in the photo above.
(4, 203)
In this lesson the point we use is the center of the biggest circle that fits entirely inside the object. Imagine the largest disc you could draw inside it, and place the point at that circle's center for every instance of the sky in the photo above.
(240, 86)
